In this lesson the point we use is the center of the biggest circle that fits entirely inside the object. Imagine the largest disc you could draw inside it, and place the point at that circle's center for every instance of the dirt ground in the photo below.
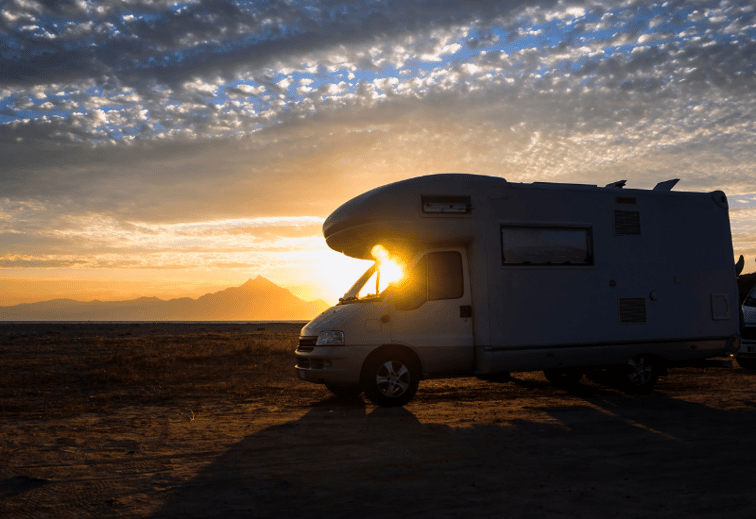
(78, 441)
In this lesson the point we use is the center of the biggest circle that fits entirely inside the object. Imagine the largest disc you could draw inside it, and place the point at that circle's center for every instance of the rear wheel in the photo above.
(563, 377)
(639, 375)
(746, 363)
(390, 379)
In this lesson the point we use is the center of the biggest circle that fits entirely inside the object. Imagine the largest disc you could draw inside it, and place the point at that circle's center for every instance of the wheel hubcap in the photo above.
(639, 370)
(392, 379)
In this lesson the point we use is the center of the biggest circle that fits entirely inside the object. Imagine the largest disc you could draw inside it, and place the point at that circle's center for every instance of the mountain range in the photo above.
(256, 300)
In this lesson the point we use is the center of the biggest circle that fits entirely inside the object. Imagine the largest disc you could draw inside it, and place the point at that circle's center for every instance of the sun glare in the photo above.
(390, 266)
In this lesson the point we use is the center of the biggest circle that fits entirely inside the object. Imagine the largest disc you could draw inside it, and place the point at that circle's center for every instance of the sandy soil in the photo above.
(461, 448)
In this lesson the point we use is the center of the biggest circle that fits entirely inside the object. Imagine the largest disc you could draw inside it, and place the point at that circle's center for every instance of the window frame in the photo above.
(402, 303)
(587, 229)
(461, 275)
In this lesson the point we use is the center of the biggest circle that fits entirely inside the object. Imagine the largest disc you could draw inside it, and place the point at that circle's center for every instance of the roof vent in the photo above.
(667, 185)
(632, 310)
(626, 223)
(617, 185)
(625, 200)
(446, 204)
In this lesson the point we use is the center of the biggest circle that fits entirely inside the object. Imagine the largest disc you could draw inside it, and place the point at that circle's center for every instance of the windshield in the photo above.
(354, 292)
(386, 270)
(369, 287)
(751, 298)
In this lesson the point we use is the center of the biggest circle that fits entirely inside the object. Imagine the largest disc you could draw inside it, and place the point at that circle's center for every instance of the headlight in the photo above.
(330, 338)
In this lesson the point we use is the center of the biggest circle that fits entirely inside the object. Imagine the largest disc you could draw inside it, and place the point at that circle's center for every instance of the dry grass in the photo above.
(55, 375)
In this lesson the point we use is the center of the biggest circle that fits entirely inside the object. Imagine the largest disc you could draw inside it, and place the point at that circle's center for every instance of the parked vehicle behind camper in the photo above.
(746, 355)
(501, 277)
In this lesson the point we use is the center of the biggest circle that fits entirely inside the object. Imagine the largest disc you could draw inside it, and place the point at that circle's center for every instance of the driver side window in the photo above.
(438, 275)
(445, 280)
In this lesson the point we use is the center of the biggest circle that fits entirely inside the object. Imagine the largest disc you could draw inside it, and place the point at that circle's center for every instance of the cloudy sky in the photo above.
(169, 148)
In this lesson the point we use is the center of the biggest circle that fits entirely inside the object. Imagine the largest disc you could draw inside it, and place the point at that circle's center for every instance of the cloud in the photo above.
(172, 114)
(144, 42)
(103, 241)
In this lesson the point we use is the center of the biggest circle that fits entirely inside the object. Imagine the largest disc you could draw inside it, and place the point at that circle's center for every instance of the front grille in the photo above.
(307, 343)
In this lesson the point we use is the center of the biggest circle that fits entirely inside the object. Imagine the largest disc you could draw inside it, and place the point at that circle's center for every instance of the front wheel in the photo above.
(639, 375)
(390, 379)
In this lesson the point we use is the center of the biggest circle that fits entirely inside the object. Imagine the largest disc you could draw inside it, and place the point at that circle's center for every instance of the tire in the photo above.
(639, 375)
(390, 379)
(344, 391)
(563, 378)
(746, 363)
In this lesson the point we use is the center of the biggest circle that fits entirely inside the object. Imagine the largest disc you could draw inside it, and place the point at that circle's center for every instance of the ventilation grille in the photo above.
(307, 343)
(626, 223)
(625, 200)
(632, 310)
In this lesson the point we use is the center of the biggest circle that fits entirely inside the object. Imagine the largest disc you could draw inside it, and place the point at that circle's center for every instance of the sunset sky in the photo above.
(168, 148)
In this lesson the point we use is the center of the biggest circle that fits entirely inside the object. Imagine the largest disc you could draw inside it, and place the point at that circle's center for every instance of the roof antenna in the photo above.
(617, 185)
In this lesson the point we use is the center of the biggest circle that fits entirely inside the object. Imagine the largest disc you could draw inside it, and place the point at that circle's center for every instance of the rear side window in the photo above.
(445, 279)
(546, 246)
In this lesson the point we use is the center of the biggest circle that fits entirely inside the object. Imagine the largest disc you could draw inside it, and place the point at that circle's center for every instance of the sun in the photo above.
(390, 266)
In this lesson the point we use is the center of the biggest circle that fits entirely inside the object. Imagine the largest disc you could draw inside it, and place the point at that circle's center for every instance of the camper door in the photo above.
(432, 312)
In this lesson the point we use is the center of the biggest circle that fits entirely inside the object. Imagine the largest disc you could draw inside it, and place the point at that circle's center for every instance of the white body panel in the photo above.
(663, 284)
(442, 338)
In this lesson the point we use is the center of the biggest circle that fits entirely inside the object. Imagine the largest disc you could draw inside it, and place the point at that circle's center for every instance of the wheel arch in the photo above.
(388, 349)
(659, 361)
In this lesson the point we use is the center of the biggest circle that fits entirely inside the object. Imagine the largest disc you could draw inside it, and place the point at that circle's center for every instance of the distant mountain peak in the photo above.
(257, 299)
(259, 281)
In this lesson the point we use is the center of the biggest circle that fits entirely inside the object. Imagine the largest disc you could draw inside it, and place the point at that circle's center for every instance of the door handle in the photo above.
(465, 311)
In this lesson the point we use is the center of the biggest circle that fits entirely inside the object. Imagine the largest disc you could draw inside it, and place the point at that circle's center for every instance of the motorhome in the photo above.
(499, 277)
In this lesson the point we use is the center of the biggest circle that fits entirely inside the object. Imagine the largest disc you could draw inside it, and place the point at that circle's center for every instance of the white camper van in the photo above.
(501, 277)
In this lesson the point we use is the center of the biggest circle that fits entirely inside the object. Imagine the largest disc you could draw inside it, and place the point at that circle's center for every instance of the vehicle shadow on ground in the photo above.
(606, 455)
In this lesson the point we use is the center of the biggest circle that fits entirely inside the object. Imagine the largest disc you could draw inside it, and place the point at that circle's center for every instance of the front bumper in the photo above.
(747, 349)
(338, 365)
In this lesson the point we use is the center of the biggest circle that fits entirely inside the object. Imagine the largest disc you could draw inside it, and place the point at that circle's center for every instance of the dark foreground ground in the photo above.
(184, 421)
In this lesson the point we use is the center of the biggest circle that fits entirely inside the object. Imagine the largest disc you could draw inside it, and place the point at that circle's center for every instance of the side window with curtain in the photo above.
(547, 246)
